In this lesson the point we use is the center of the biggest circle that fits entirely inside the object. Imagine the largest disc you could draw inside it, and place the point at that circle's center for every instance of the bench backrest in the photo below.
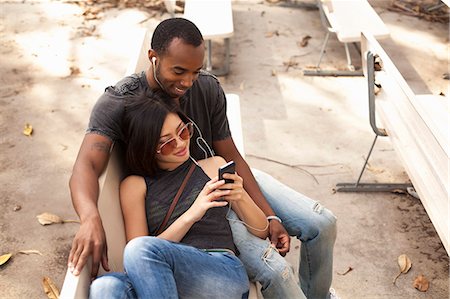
(418, 127)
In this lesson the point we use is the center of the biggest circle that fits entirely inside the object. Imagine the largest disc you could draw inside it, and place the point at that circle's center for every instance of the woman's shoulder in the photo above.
(133, 184)
(211, 165)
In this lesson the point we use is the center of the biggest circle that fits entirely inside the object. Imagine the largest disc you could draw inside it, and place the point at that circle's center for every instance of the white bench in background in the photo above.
(347, 19)
(77, 287)
(214, 18)
(418, 127)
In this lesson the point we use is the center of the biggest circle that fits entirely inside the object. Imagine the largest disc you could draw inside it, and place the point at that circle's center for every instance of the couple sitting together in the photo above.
(189, 234)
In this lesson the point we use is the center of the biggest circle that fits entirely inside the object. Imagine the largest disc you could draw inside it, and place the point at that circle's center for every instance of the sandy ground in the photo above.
(54, 65)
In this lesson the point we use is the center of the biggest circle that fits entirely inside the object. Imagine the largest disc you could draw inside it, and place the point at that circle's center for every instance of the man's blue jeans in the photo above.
(156, 268)
(304, 218)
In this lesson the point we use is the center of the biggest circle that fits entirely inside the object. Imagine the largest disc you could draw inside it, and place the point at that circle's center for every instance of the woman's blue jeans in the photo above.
(156, 268)
(304, 218)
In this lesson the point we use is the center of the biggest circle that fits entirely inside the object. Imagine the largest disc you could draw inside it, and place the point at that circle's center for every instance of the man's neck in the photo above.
(154, 86)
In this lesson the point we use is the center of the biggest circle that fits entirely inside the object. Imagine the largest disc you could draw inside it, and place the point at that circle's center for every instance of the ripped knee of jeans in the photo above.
(318, 208)
(273, 261)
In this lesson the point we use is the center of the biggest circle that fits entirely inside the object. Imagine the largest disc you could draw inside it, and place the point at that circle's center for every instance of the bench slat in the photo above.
(351, 17)
(418, 127)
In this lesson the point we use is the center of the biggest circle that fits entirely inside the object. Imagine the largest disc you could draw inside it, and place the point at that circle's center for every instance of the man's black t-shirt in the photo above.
(204, 103)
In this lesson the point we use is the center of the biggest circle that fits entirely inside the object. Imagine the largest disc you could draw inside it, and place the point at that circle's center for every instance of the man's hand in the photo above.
(279, 237)
(89, 240)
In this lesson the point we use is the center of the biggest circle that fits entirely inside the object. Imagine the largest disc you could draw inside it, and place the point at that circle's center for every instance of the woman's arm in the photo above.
(240, 200)
(132, 200)
(246, 209)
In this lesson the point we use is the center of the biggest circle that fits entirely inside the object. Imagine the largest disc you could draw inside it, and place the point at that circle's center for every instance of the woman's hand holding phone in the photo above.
(236, 188)
(208, 198)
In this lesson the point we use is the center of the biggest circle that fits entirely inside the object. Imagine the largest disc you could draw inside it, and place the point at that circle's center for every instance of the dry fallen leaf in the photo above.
(304, 42)
(242, 85)
(349, 269)
(421, 283)
(50, 288)
(373, 169)
(289, 64)
(74, 71)
(404, 263)
(31, 251)
(4, 258)
(272, 33)
(48, 218)
(28, 130)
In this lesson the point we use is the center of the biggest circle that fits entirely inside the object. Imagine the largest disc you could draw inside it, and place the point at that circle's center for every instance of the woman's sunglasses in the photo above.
(183, 134)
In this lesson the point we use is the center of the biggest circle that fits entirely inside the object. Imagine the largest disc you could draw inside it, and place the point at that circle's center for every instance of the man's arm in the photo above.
(90, 238)
(278, 234)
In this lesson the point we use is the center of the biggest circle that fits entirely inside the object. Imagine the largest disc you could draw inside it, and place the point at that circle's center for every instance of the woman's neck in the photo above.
(170, 166)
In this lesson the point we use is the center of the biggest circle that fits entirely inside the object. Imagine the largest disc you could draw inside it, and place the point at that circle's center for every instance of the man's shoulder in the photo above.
(206, 85)
(127, 85)
(205, 77)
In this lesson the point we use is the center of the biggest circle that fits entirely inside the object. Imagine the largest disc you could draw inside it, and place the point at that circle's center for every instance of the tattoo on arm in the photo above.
(100, 146)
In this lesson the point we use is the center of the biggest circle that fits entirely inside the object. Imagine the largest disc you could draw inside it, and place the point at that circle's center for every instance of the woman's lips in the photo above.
(182, 152)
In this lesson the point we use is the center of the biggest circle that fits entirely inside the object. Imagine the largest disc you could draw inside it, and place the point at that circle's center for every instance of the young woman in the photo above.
(183, 249)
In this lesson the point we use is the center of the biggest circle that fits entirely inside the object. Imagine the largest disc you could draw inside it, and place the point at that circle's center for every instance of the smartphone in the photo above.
(230, 167)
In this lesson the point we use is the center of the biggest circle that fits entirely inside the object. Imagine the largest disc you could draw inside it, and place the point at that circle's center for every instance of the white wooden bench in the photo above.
(77, 287)
(347, 19)
(418, 127)
(215, 21)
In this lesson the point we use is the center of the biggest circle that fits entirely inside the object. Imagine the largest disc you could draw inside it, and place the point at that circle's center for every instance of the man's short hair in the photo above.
(172, 28)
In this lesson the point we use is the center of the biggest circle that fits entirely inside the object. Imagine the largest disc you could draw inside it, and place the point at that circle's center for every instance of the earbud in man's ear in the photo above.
(153, 60)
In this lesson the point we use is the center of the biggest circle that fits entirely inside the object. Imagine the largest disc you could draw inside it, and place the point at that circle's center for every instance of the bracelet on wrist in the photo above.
(274, 218)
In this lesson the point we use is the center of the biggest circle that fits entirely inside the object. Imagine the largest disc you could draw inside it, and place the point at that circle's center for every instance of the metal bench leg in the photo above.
(226, 65)
(322, 51)
(349, 59)
(370, 187)
(227, 56)
(209, 57)
(375, 187)
(318, 72)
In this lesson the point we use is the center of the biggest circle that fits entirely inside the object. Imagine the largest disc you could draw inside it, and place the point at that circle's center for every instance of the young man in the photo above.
(176, 58)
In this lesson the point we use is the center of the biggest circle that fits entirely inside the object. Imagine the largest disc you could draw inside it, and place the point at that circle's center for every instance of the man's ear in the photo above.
(151, 53)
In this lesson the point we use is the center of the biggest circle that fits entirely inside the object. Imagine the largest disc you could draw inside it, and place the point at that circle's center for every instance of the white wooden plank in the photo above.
(213, 18)
(433, 194)
(349, 18)
(435, 111)
(234, 120)
(418, 128)
(426, 143)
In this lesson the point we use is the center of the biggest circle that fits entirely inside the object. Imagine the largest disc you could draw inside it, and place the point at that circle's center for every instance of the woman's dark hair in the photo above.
(143, 120)
(172, 28)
